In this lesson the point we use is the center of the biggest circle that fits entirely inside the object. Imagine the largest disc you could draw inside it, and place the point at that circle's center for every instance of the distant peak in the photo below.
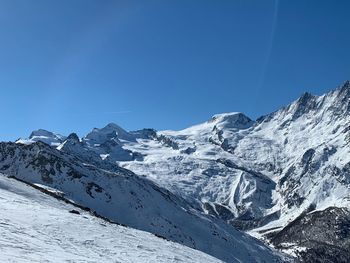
(112, 125)
(226, 115)
(73, 137)
(346, 84)
(304, 104)
(345, 88)
(305, 97)
(232, 120)
(43, 136)
(41, 132)
(111, 130)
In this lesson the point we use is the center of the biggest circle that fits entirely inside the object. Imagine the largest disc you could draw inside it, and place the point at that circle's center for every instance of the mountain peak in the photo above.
(112, 125)
(111, 130)
(45, 136)
(305, 98)
(232, 120)
(344, 89)
(73, 137)
(346, 84)
(304, 104)
(41, 132)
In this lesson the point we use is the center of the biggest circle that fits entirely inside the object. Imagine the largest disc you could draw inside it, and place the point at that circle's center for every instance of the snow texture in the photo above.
(256, 175)
(38, 228)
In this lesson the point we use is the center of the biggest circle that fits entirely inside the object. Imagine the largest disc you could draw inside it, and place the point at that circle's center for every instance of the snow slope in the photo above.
(199, 171)
(276, 167)
(38, 228)
(126, 198)
(44, 136)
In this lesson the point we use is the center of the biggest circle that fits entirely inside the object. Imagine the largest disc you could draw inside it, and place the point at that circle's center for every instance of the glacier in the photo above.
(287, 170)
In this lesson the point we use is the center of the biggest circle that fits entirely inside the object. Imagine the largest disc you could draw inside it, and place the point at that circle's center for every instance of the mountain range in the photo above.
(275, 189)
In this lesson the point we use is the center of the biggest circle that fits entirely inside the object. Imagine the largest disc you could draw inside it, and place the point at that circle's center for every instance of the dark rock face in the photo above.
(189, 150)
(325, 235)
(168, 142)
(325, 253)
(245, 225)
(37, 157)
(145, 133)
(305, 103)
(73, 211)
(73, 137)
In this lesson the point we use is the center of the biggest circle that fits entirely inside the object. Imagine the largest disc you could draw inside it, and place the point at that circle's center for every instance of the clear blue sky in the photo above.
(74, 65)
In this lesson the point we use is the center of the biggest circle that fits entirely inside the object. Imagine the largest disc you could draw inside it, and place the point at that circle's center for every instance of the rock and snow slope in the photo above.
(35, 227)
(260, 176)
(126, 198)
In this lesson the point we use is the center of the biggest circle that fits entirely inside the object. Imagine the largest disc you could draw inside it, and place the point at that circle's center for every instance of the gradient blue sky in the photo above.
(74, 65)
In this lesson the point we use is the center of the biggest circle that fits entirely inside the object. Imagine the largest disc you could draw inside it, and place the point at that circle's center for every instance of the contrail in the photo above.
(269, 50)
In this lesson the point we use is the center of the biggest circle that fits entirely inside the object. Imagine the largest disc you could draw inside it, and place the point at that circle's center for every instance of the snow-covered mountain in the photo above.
(285, 171)
(47, 137)
(123, 197)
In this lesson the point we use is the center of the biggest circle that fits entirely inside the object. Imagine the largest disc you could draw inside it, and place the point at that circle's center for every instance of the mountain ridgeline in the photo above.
(283, 179)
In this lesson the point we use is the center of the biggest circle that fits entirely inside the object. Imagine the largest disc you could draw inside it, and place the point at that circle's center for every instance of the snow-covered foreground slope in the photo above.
(36, 227)
(126, 198)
